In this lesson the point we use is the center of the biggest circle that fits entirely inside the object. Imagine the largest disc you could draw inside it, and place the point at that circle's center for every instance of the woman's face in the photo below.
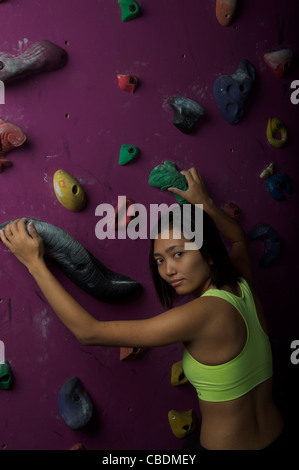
(185, 270)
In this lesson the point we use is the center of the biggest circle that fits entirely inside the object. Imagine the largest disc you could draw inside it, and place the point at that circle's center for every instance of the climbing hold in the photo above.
(268, 171)
(177, 374)
(127, 153)
(5, 376)
(271, 239)
(276, 133)
(186, 113)
(232, 91)
(130, 353)
(183, 423)
(225, 10)
(11, 136)
(127, 82)
(276, 184)
(80, 265)
(41, 56)
(231, 209)
(74, 404)
(279, 61)
(124, 213)
(166, 176)
(68, 191)
(129, 9)
(78, 447)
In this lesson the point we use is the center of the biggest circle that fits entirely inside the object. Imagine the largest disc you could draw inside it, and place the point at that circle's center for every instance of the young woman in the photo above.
(227, 355)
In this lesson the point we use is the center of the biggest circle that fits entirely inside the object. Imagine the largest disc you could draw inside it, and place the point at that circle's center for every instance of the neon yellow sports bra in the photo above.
(252, 366)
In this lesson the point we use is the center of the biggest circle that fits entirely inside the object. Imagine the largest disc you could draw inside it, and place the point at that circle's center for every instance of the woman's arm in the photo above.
(170, 327)
(231, 230)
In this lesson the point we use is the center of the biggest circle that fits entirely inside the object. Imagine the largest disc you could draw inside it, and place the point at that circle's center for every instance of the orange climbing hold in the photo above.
(225, 10)
(11, 136)
(130, 353)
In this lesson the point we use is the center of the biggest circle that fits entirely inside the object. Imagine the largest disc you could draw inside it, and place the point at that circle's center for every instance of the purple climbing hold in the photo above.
(74, 404)
(232, 91)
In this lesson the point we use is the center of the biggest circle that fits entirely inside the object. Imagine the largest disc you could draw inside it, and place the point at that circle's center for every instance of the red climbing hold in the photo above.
(127, 82)
(279, 61)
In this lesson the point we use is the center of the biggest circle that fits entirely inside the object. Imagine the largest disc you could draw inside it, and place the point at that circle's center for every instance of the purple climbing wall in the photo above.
(76, 119)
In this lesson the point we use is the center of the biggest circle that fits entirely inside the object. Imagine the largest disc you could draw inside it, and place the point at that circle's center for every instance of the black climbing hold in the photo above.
(186, 113)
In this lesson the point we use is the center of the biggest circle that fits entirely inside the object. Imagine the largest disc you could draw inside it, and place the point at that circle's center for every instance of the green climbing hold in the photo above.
(167, 176)
(5, 376)
(129, 9)
(127, 153)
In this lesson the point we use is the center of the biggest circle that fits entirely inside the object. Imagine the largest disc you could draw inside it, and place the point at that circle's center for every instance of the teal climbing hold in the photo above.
(5, 376)
(129, 9)
(127, 153)
(166, 176)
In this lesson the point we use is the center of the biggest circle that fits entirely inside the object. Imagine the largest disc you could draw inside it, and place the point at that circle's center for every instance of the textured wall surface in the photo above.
(76, 119)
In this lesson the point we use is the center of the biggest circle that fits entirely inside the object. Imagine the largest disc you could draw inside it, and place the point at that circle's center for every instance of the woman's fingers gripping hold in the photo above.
(27, 247)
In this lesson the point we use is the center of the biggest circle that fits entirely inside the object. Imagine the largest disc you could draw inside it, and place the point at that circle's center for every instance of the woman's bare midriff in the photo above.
(251, 422)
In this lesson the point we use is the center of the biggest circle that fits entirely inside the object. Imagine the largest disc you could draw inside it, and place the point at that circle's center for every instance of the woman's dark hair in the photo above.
(213, 249)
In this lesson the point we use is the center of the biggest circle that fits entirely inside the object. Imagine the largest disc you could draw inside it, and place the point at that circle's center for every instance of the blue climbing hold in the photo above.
(74, 404)
(271, 239)
(232, 91)
(276, 183)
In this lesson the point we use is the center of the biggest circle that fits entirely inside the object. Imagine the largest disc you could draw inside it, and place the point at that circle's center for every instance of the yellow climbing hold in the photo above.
(181, 423)
(68, 191)
(268, 171)
(177, 374)
(276, 133)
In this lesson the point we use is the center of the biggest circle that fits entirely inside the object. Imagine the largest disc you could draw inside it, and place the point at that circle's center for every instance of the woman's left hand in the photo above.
(29, 249)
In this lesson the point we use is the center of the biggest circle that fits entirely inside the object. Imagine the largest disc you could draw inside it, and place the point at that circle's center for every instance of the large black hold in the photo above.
(186, 113)
(80, 265)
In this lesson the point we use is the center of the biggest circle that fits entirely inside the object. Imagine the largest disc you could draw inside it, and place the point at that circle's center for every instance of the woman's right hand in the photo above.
(196, 192)
(27, 248)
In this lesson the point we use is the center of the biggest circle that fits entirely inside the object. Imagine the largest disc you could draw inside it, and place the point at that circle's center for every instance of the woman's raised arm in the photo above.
(231, 230)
